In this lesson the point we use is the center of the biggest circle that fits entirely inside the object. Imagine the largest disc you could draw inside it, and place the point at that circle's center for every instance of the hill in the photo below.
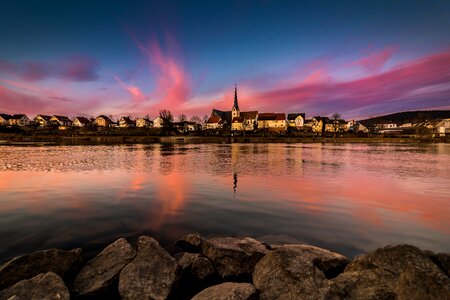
(409, 117)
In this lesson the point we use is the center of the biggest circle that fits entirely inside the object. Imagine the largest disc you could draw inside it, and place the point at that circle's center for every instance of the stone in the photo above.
(43, 286)
(443, 261)
(196, 266)
(99, 273)
(234, 257)
(152, 274)
(296, 272)
(190, 243)
(228, 291)
(61, 262)
(392, 272)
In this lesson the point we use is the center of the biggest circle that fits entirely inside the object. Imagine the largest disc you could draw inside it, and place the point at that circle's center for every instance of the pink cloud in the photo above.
(73, 68)
(375, 60)
(134, 91)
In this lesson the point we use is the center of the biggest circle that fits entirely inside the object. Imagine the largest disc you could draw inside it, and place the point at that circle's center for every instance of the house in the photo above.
(387, 125)
(296, 120)
(339, 125)
(102, 121)
(4, 119)
(192, 126)
(318, 123)
(442, 128)
(246, 121)
(60, 121)
(19, 120)
(158, 122)
(42, 120)
(355, 126)
(81, 122)
(126, 122)
(215, 122)
(144, 122)
(272, 121)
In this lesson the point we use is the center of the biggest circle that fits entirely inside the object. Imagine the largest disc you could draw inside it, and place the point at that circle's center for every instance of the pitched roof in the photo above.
(294, 116)
(5, 116)
(213, 120)
(127, 120)
(238, 119)
(45, 117)
(62, 118)
(272, 116)
(83, 120)
(105, 117)
(224, 115)
(249, 114)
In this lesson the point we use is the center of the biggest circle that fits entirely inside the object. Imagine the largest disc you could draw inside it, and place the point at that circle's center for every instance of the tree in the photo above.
(205, 118)
(182, 118)
(196, 119)
(336, 117)
(167, 118)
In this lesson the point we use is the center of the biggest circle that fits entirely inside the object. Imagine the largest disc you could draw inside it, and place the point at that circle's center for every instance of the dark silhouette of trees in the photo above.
(167, 118)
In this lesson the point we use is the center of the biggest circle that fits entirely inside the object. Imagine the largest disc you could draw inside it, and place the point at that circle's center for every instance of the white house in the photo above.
(4, 119)
(296, 120)
(126, 122)
(42, 120)
(158, 122)
(81, 122)
(143, 122)
(272, 121)
(60, 120)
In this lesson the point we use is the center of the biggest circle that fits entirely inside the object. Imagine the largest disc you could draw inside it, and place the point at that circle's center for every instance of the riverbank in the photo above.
(14, 139)
(226, 268)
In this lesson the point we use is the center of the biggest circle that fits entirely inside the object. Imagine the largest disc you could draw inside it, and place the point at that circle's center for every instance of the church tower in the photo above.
(235, 110)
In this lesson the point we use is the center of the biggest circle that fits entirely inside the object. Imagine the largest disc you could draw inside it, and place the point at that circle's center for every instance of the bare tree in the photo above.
(336, 117)
(167, 118)
(196, 119)
(182, 118)
(205, 118)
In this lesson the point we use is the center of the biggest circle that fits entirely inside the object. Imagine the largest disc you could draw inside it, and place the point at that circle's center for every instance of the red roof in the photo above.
(272, 116)
(213, 119)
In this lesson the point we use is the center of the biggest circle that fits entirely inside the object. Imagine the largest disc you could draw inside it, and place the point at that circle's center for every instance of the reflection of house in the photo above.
(143, 122)
(126, 122)
(19, 120)
(103, 121)
(272, 121)
(215, 122)
(296, 120)
(60, 120)
(318, 123)
(4, 119)
(158, 122)
(42, 120)
(81, 122)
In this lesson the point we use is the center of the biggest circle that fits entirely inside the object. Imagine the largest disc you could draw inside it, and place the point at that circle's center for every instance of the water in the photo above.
(351, 198)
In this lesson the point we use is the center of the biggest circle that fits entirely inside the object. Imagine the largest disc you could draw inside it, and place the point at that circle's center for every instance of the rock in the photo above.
(443, 260)
(296, 272)
(43, 286)
(392, 272)
(101, 271)
(190, 243)
(228, 291)
(234, 257)
(151, 275)
(197, 266)
(24, 267)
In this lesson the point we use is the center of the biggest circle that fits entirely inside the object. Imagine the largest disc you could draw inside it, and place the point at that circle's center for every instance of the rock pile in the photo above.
(226, 268)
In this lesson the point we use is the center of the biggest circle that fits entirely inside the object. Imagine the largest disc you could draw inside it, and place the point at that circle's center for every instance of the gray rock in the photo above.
(197, 266)
(43, 286)
(234, 257)
(190, 243)
(151, 275)
(53, 260)
(228, 291)
(102, 270)
(392, 272)
(296, 272)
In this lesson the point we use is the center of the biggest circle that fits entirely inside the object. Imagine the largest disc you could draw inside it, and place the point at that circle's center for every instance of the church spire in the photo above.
(236, 105)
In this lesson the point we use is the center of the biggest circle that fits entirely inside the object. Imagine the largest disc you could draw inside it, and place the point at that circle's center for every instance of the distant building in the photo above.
(19, 120)
(158, 122)
(60, 121)
(272, 121)
(215, 122)
(339, 125)
(387, 125)
(42, 120)
(443, 127)
(102, 121)
(126, 122)
(296, 120)
(81, 122)
(144, 122)
(318, 123)
(4, 119)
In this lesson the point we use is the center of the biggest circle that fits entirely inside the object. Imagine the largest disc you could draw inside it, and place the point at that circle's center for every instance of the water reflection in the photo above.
(350, 198)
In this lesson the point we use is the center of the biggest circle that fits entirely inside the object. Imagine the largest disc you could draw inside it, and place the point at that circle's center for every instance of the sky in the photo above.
(357, 58)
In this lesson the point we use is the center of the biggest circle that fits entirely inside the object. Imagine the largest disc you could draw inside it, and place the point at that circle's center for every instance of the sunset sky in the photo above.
(361, 58)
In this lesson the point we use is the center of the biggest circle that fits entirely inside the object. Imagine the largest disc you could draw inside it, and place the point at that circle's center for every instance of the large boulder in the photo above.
(297, 272)
(228, 291)
(190, 243)
(101, 271)
(234, 257)
(392, 272)
(196, 266)
(61, 262)
(443, 260)
(47, 286)
(151, 275)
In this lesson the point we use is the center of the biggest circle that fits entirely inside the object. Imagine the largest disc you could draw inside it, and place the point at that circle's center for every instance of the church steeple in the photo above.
(235, 110)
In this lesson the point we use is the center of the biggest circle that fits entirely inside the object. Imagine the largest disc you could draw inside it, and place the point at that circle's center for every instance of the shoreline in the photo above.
(23, 140)
(226, 268)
